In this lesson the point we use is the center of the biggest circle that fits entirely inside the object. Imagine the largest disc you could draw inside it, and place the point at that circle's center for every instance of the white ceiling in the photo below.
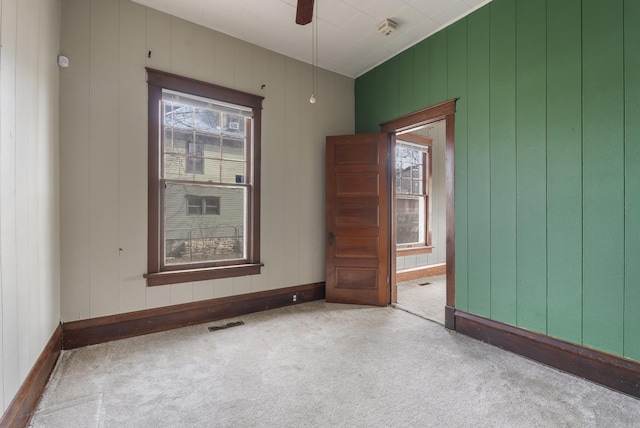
(348, 41)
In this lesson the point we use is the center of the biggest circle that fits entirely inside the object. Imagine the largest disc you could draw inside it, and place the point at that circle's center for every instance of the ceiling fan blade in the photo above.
(304, 12)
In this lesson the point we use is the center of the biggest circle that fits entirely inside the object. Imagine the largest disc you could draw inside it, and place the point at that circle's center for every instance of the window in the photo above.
(204, 180)
(412, 194)
(199, 205)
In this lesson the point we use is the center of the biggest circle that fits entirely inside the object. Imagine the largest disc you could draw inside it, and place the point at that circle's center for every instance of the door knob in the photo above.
(330, 238)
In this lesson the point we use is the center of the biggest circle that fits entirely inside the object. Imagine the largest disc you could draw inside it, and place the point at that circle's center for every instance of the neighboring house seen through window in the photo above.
(204, 151)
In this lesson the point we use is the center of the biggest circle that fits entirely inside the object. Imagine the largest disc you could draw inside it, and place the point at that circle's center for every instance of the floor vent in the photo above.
(228, 325)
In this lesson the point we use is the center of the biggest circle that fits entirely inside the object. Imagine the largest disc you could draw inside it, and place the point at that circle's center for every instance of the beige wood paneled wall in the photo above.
(29, 186)
(104, 163)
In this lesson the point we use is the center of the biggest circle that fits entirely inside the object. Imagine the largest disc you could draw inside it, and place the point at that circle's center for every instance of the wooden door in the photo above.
(357, 245)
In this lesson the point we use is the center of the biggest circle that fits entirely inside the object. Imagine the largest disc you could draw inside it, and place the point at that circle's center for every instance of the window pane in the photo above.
(210, 144)
(183, 116)
(197, 138)
(410, 221)
(234, 123)
(415, 156)
(405, 187)
(233, 172)
(406, 154)
(194, 205)
(204, 223)
(207, 120)
(194, 165)
(406, 170)
(168, 116)
(212, 206)
(179, 141)
(417, 171)
(233, 148)
(417, 187)
(407, 225)
(211, 171)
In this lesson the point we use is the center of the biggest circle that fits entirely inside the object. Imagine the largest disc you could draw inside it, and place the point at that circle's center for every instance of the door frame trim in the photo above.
(443, 111)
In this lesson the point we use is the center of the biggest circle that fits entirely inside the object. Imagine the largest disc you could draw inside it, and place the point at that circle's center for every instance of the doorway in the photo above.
(442, 115)
(361, 261)
(420, 220)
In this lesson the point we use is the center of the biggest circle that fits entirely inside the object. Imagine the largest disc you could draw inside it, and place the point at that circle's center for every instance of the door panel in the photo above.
(357, 255)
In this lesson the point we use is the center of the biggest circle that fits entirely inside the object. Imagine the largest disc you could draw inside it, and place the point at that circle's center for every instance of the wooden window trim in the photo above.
(409, 251)
(156, 275)
(446, 111)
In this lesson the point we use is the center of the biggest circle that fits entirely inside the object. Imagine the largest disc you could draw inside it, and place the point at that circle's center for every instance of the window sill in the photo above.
(202, 274)
(408, 251)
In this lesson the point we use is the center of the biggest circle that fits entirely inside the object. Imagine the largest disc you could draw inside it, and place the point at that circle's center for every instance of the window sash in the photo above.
(414, 233)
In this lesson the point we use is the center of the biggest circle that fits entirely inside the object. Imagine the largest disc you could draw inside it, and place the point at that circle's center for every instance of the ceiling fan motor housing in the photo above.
(304, 12)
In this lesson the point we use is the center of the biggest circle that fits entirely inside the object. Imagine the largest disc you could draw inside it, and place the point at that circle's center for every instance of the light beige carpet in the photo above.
(319, 365)
(424, 297)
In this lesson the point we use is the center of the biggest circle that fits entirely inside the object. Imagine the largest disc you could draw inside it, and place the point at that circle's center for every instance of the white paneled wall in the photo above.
(103, 153)
(29, 183)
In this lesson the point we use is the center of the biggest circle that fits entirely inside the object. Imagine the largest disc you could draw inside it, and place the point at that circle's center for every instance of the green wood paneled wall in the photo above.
(603, 175)
(564, 170)
(478, 167)
(457, 88)
(632, 179)
(502, 123)
(547, 180)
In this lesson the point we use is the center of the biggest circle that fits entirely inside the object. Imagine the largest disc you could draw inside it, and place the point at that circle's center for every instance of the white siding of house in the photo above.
(104, 153)
(29, 186)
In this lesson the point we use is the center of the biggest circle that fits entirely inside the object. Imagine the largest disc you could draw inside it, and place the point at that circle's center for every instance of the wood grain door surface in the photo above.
(357, 241)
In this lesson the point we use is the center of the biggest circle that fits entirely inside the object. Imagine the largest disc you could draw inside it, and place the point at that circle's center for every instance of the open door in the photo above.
(358, 245)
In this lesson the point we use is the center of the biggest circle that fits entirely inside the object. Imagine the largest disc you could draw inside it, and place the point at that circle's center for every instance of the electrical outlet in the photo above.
(295, 297)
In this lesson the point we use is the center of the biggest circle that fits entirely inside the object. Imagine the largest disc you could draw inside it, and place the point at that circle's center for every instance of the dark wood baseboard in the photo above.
(104, 329)
(423, 272)
(609, 370)
(449, 317)
(26, 400)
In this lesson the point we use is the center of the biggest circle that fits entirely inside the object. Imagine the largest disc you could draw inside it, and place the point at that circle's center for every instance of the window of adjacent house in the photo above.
(200, 205)
(204, 152)
(412, 193)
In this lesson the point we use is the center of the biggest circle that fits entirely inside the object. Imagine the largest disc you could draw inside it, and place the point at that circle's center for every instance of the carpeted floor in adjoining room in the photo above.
(425, 297)
(319, 365)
